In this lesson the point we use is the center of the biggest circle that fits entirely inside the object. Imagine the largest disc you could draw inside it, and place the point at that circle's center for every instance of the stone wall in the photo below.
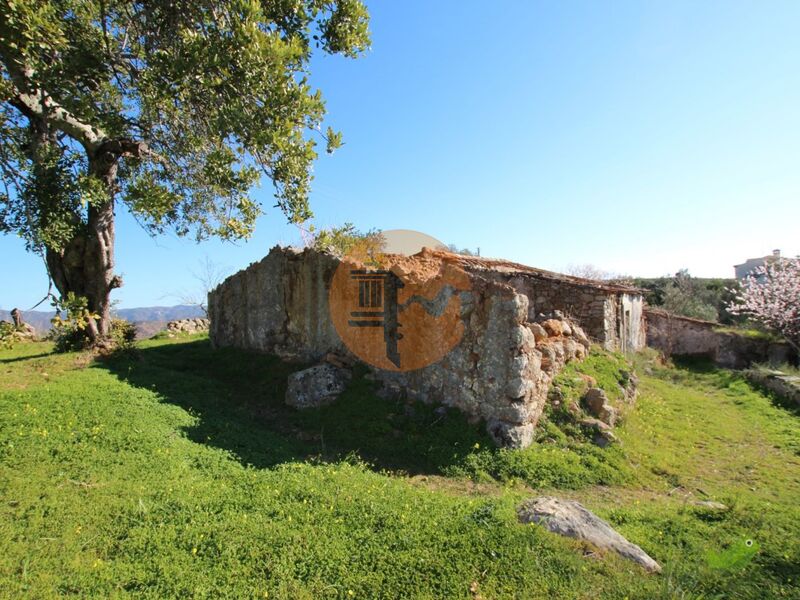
(781, 384)
(500, 371)
(675, 335)
(611, 315)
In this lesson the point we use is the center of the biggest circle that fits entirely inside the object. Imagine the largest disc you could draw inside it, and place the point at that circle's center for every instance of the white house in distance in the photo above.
(751, 264)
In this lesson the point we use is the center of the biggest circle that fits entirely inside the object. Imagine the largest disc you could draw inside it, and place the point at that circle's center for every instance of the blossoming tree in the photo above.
(771, 296)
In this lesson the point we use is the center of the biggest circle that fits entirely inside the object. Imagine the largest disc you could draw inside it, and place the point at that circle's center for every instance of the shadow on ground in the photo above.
(237, 397)
(24, 357)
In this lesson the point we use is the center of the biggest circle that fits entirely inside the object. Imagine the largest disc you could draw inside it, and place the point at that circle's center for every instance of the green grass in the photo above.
(750, 332)
(784, 368)
(178, 472)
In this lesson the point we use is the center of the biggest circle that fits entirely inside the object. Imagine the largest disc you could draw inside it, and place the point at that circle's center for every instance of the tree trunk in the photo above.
(86, 265)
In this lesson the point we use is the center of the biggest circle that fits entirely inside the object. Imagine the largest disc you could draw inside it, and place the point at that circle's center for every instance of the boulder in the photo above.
(538, 332)
(188, 326)
(553, 327)
(602, 434)
(316, 386)
(599, 406)
(572, 519)
(580, 335)
(511, 435)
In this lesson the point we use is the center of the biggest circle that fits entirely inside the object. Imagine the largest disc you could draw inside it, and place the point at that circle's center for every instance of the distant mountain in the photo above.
(153, 316)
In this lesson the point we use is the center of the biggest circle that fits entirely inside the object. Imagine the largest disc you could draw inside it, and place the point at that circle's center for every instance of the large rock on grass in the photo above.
(316, 386)
(571, 519)
(599, 406)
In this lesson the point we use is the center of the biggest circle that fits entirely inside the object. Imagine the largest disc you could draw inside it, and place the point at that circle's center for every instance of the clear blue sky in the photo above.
(641, 137)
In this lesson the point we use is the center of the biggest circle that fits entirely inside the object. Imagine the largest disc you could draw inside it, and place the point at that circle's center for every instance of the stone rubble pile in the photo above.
(197, 325)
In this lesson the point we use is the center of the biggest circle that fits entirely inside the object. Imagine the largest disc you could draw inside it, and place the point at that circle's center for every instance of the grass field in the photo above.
(177, 471)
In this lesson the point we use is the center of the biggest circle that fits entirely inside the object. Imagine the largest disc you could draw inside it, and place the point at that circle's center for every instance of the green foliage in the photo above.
(7, 331)
(71, 323)
(197, 99)
(347, 241)
(123, 334)
(464, 251)
(690, 296)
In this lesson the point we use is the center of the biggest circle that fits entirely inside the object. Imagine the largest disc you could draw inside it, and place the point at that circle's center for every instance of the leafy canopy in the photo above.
(203, 96)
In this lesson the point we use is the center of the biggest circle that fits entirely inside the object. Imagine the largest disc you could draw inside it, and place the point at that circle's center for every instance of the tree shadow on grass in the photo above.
(237, 397)
(24, 357)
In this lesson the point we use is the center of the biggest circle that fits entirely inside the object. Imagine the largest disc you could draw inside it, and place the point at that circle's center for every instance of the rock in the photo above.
(574, 409)
(604, 438)
(23, 332)
(316, 386)
(571, 519)
(594, 424)
(580, 335)
(553, 327)
(518, 387)
(598, 405)
(510, 435)
(710, 504)
(338, 361)
(565, 328)
(602, 434)
(188, 326)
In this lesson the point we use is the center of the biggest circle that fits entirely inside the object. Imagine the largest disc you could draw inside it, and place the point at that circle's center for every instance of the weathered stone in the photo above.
(710, 504)
(316, 386)
(538, 331)
(23, 332)
(571, 519)
(553, 327)
(509, 435)
(566, 329)
(518, 387)
(676, 335)
(599, 406)
(499, 372)
(580, 335)
(785, 386)
(187, 326)
(601, 432)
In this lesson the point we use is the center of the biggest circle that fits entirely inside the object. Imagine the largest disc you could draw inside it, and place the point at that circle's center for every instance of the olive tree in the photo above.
(172, 109)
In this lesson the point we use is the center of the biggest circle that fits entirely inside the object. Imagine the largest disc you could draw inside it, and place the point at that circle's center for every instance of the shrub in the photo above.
(123, 334)
(69, 331)
(7, 337)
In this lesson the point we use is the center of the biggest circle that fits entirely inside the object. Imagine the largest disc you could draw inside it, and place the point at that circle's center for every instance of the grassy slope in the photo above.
(180, 473)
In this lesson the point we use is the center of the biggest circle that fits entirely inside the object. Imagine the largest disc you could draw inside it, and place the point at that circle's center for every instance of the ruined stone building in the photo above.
(517, 327)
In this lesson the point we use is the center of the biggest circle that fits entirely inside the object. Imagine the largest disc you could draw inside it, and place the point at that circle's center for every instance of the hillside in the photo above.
(178, 471)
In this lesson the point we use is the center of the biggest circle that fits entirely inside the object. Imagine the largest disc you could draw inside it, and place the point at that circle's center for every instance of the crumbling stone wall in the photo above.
(610, 314)
(675, 335)
(500, 371)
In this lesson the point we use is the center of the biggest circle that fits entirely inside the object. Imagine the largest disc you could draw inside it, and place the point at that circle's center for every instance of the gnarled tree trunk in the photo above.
(86, 265)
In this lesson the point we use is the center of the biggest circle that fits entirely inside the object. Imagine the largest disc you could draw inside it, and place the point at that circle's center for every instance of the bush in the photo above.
(123, 334)
(70, 330)
(7, 332)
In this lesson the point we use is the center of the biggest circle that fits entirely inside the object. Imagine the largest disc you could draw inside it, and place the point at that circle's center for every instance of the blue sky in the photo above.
(640, 137)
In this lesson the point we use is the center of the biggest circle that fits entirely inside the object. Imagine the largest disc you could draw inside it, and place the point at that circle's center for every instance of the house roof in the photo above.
(505, 266)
